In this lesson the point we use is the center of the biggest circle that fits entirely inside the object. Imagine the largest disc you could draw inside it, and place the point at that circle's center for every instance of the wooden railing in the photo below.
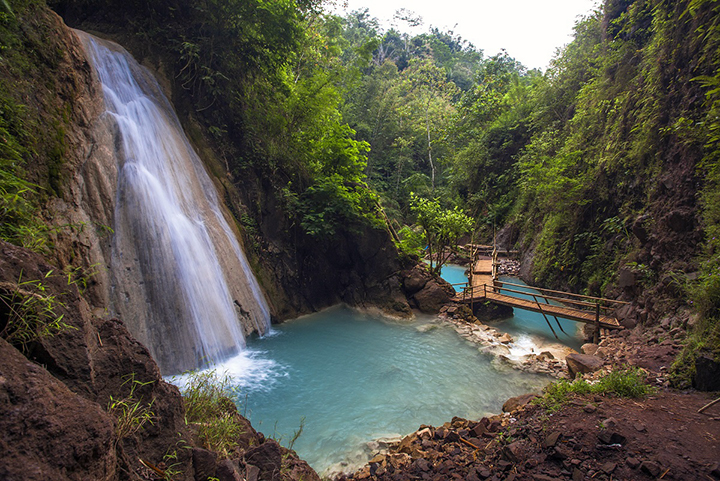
(570, 302)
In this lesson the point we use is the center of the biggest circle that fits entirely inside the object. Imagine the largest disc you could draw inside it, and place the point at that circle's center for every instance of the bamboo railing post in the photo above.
(543, 313)
(596, 336)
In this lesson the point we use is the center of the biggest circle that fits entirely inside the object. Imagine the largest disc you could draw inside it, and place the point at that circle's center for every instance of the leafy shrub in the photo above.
(704, 338)
(623, 383)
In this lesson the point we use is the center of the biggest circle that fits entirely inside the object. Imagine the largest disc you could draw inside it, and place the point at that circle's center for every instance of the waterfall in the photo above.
(180, 280)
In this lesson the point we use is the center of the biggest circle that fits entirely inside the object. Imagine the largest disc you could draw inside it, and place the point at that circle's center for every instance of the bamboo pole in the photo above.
(708, 405)
(546, 319)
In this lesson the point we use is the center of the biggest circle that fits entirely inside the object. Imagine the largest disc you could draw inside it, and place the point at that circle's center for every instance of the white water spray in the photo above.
(181, 282)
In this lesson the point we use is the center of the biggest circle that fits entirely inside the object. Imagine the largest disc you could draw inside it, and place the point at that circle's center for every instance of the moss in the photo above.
(703, 340)
(35, 115)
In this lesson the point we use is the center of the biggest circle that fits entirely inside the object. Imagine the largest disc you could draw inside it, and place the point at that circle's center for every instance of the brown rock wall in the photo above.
(49, 432)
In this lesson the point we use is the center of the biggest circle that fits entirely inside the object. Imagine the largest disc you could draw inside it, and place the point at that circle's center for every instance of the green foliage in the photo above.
(702, 340)
(131, 412)
(172, 465)
(338, 198)
(35, 109)
(210, 410)
(441, 228)
(28, 312)
(704, 293)
(411, 241)
(296, 435)
(621, 383)
(19, 224)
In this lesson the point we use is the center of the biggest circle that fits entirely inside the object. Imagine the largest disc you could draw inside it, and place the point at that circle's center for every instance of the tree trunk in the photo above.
(429, 146)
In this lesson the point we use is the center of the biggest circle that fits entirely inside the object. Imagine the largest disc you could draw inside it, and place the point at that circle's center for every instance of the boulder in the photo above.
(608, 467)
(205, 464)
(651, 468)
(488, 311)
(551, 439)
(267, 458)
(511, 452)
(582, 364)
(627, 314)
(680, 220)
(516, 402)
(626, 278)
(49, 432)
(252, 473)
(707, 374)
(638, 228)
(505, 338)
(590, 348)
(414, 280)
(611, 437)
(433, 296)
(479, 428)
(228, 470)
(545, 356)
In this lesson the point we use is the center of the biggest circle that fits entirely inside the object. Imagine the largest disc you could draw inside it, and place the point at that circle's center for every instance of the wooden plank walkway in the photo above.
(489, 292)
(482, 272)
(484, 286)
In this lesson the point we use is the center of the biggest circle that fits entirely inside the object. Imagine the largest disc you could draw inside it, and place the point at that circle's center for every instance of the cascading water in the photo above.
(180, 279)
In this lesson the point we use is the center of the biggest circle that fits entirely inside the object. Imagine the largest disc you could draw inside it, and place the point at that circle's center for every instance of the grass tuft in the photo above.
(210, 410)
(131, 412)
(622, 383)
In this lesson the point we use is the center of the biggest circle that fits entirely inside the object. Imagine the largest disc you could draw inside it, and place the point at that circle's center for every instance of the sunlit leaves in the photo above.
(441, 227)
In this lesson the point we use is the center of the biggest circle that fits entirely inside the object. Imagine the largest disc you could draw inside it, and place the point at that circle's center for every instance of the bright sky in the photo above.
(530, 30)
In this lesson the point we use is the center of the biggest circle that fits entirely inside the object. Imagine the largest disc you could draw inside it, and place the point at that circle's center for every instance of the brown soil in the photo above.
(603, 438)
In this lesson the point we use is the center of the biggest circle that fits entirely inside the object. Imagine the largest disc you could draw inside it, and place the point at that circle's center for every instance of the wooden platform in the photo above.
(483, 285)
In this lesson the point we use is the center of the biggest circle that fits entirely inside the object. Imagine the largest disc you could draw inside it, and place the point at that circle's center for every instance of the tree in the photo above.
(442, 228)
(432, 93)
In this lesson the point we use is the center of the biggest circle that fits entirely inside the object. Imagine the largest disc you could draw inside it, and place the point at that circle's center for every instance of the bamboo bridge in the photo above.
(483, 285)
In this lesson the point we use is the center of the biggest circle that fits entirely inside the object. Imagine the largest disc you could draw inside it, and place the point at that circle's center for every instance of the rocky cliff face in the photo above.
(56, 401)
(55, 422)
(75, 171)
(56, 390)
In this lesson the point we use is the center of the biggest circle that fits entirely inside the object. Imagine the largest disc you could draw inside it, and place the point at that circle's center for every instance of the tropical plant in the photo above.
(29, 312)
(442, 228)
(131, 412)
(629, 382)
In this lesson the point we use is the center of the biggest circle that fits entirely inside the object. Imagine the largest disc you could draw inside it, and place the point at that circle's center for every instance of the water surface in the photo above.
(354, 378)
(454, 274)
